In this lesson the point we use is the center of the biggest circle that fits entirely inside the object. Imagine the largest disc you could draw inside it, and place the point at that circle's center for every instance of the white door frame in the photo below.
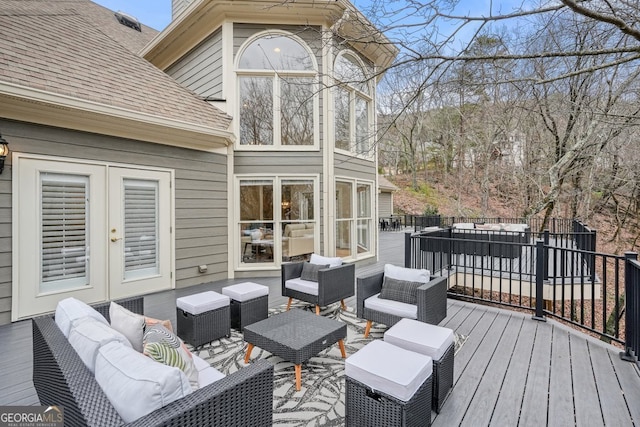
(27, 300)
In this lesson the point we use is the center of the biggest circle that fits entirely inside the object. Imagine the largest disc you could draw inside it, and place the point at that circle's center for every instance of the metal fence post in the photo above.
(545, 258)
(540, 273)
(407, 250)
(632, 309)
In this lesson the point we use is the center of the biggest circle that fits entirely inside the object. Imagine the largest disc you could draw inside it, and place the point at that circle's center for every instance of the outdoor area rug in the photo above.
(320, 401)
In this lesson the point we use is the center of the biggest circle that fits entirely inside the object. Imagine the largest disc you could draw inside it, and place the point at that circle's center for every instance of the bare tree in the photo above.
(568, 67)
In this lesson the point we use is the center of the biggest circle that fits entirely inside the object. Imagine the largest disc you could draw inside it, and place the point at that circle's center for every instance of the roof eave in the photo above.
(36, 106)
(202, 17)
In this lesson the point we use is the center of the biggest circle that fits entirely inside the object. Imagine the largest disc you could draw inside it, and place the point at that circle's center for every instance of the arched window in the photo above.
(278, 92)
(352, 98)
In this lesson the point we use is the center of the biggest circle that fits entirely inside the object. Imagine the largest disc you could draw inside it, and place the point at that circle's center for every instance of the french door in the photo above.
(92, 231)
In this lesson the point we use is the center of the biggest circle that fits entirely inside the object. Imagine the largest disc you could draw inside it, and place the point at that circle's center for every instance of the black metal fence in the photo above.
(632, 311)
(553, 277)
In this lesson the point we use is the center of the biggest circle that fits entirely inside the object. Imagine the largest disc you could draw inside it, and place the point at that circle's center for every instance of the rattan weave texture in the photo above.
(366, 407)
(432, 300)
(295, 335)
(442, 377)
(242, 398)
(203, 328)
(334, 284)
(247, 312)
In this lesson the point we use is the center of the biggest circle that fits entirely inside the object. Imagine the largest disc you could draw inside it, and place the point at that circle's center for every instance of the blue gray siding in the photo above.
(200, 195)
(201, 69)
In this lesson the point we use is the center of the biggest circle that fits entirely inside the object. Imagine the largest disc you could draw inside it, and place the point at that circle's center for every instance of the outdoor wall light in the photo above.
(4, 151)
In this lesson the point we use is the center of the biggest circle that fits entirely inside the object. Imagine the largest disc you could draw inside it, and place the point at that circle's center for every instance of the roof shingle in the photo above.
(79, 49)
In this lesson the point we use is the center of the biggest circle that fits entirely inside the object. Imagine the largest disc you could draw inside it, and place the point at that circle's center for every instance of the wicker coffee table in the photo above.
(296, 336)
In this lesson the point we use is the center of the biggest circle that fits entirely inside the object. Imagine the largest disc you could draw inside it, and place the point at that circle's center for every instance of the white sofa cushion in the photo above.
(206, 374)
(128, 323)
(390, 306)
(87, 335)
(202, 302)
(323, 260)
(70, 309)
(136, 385)
(389, 369)
(464, 225)
(301, 285)
(420, 337)
(406, 274)
(245, 291)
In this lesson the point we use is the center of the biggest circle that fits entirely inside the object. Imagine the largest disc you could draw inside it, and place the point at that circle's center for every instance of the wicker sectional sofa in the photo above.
(242, 398)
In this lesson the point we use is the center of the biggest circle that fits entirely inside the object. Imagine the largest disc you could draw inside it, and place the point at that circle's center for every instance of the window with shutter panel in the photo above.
(64, 240)
(140, 228)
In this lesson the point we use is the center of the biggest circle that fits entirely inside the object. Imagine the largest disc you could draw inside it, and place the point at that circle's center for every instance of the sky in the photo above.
(157, 13)
(153, 13)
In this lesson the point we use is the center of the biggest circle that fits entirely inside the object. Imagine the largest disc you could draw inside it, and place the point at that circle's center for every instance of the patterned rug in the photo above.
(320, 401)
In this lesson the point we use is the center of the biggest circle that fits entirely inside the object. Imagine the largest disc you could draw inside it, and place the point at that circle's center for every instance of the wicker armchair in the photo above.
(244, 397)
(334, 284)
(432, 301)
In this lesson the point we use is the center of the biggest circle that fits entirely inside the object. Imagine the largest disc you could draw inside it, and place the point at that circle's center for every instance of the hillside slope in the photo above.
(454, 199)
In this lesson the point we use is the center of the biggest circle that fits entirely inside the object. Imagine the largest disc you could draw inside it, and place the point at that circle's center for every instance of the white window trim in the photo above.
(353, 93)
(277, 218)
(240, 72)
(354, 218)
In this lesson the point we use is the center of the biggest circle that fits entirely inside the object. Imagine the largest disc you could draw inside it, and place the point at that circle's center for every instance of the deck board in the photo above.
(507, 409)
(615, 409)
(487, 393)
(535, 400)
(503, 373)
(475, 362)
(588, 412)
(561, 409)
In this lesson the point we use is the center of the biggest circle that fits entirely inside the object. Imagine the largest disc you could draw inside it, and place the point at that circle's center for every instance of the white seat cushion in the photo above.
(202, 302)
(70, 309)
(245, 291)
(389, 369)
(420, 337)
(301, 285)
(406, 274)
(390, 306)
(87, 335)
(136, 385)
(206, 374)
(323, 260)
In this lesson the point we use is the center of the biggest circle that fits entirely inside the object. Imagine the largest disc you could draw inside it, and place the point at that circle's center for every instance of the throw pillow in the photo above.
(150, 321)
(322, 260)
(400, 290)
(310, 271)
(162, 345)
(128, 323)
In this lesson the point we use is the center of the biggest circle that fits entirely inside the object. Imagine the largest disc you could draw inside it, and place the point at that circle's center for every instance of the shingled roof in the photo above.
(75, 50)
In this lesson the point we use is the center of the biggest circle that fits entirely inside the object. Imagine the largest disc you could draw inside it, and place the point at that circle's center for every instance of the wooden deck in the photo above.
(512, 370)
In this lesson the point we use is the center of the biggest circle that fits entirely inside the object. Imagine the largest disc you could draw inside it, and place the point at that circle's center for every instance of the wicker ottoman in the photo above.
(249, 303)
(388, 386)
(434, 341)
(203, 317)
